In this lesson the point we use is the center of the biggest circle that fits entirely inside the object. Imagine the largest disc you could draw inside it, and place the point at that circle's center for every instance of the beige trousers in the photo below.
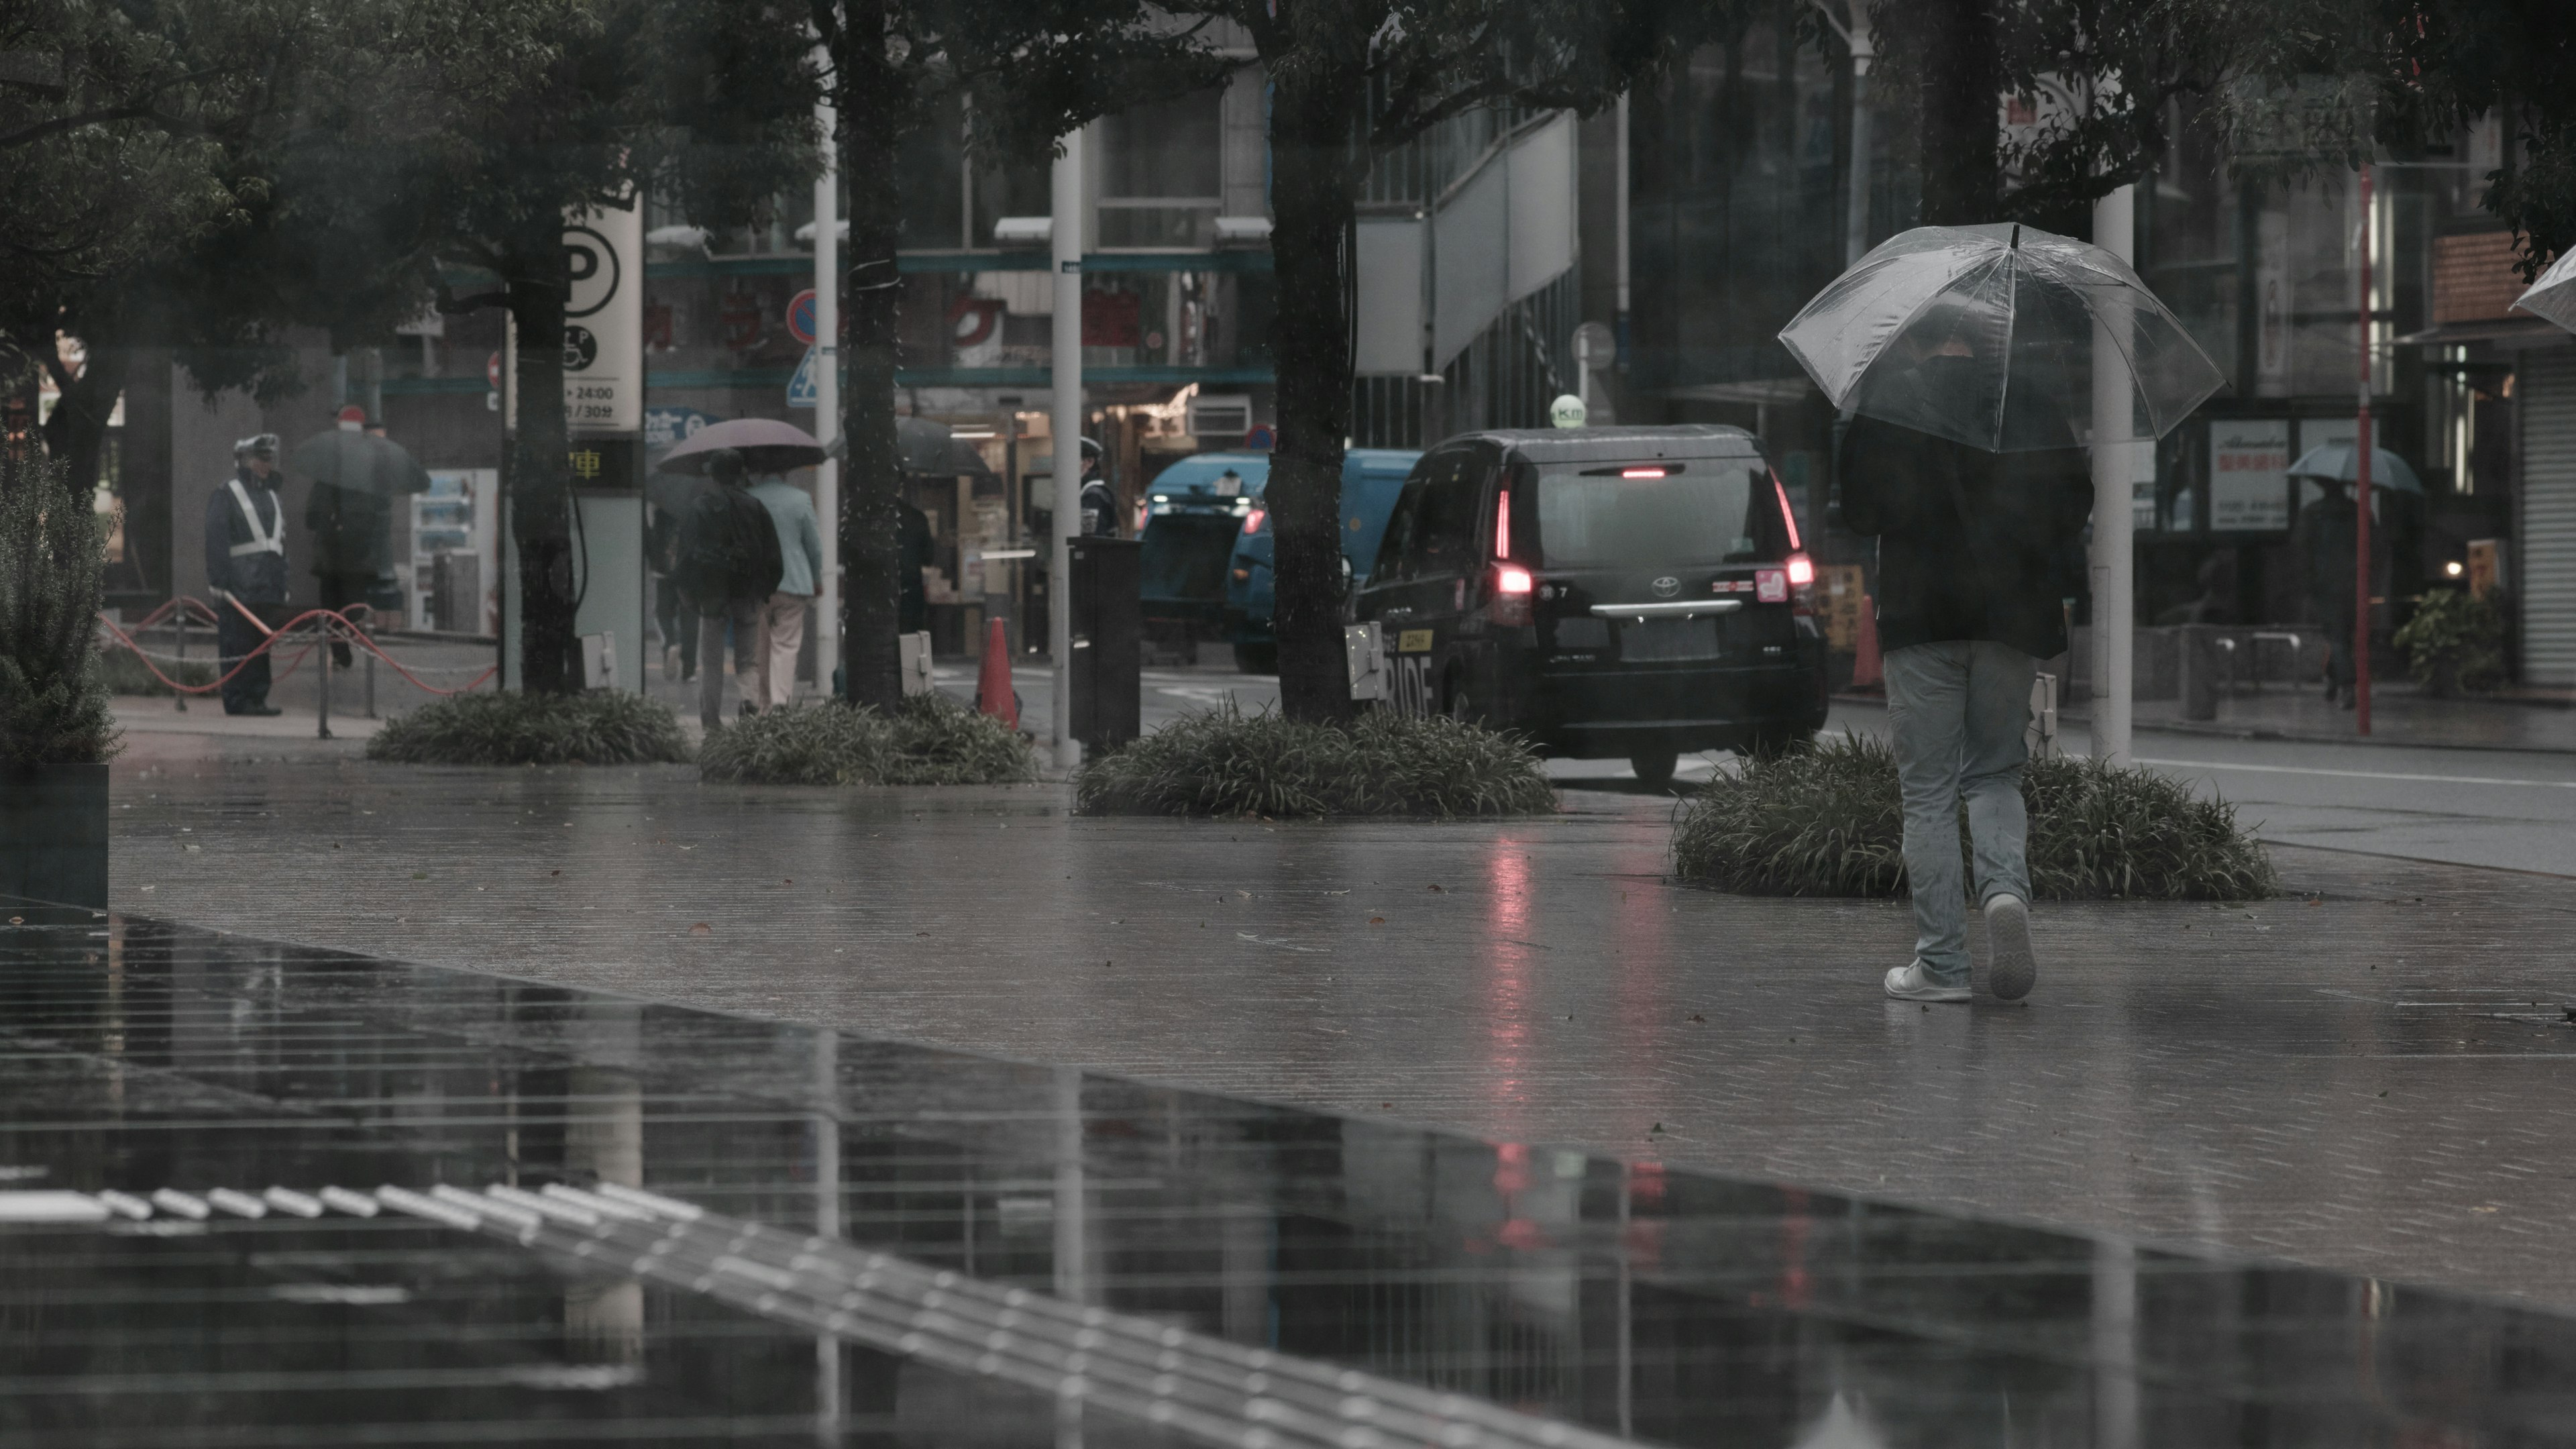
(782, 638)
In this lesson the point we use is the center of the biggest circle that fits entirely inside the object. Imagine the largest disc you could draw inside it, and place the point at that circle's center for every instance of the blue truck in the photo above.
(1371, 480)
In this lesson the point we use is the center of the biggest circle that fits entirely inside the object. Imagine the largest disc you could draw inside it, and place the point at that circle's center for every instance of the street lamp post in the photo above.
(2114, 515)
(1066, 237)
(827, 393)
(2361, 491)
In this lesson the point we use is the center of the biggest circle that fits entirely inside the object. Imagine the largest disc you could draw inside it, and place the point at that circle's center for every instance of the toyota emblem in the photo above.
(1667, 586)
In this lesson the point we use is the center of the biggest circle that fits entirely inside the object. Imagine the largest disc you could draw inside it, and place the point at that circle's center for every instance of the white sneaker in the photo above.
(1908, 983)
(2011, 968)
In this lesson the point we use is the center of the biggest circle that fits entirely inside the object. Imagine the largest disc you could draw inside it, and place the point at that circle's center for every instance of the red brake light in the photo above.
(1641, 472)
(1503, 529)
(1252, 521)
(1802, 571)
(1788, 515)
(1513, 591)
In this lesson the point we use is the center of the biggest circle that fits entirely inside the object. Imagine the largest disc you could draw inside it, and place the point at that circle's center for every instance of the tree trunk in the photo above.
(872, 99)
(1315, 162)
(76, 433)
(1962, 72)
(540, 485)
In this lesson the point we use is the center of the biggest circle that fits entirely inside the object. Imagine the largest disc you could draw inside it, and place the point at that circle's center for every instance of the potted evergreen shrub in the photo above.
(2455, 642)
(55, 729)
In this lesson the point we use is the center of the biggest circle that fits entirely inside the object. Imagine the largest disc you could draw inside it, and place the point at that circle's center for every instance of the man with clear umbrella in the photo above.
(1955, 354)
(1976, 553)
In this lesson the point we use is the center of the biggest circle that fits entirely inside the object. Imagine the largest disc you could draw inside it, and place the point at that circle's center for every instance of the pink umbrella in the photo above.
(767, 444)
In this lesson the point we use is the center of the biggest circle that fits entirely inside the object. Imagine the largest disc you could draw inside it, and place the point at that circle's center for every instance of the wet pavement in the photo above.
(2378, 1083)
(261, 1194)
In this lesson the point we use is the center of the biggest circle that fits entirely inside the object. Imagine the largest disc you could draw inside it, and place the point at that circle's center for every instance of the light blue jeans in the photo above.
(1956, 711)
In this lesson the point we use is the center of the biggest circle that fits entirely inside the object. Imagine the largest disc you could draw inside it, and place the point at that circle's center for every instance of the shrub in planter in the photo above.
(606, 727)
(2455, 642)
(123, 672)
(928, 740)
(1226, 763)
(56, 733)
(1829, 821)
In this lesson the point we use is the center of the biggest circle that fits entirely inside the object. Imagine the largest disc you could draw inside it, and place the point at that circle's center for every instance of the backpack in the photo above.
(730, 549)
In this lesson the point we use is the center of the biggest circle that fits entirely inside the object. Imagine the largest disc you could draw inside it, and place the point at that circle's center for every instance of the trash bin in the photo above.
(1108, 642)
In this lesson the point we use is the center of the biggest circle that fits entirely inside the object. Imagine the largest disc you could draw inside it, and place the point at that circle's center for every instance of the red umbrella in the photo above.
(767, 444)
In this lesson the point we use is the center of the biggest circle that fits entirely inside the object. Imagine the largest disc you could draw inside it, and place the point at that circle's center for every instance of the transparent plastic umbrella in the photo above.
(1986, 335)
(2335, 463)
(2554, 295)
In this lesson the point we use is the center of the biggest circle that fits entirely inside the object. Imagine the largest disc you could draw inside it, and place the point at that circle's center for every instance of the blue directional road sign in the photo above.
(801, 387)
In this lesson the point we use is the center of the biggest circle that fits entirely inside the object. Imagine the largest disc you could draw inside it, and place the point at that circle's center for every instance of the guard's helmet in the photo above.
(258, 445)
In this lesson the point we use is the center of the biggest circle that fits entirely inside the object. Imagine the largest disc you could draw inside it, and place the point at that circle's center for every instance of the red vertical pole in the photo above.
(2361, 490)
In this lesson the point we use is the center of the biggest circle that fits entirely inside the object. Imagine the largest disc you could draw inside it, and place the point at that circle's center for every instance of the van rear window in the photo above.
(1701, 511)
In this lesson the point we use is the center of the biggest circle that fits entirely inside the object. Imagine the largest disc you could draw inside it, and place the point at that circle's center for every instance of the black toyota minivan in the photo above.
(1607, 592)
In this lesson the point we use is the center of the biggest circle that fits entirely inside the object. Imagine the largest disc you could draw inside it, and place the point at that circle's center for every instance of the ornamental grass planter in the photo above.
(53, 833)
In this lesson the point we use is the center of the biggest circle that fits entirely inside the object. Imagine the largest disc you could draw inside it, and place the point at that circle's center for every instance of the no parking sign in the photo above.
(800, 316)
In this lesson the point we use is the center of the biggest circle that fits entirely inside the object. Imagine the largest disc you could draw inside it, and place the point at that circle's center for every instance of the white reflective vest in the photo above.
(263, 538)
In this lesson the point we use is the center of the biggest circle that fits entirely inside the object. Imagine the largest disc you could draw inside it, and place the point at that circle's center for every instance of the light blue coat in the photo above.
(800, 538)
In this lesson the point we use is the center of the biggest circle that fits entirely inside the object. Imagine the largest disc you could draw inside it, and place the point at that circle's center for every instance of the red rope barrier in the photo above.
(324, 631)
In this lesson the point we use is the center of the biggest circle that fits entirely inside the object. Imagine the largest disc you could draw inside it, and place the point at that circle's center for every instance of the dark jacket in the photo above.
(917, 548)
(257, 575)
(2322, 545)
(1099, 510)
(1972, 545)
(352, 529)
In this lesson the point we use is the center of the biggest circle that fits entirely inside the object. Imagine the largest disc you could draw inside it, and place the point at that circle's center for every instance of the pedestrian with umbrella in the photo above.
(2323, 544)
(731, 561)
(1955, 355)
(357, 473)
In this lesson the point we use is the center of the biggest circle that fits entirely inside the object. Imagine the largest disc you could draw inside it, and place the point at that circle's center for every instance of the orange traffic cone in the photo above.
(993, 693)
(1866, 673)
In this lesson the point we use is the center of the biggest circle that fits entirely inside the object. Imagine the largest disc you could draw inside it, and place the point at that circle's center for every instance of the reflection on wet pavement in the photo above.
(555, 1137)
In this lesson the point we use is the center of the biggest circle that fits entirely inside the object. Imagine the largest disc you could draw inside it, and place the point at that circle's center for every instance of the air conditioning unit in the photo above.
(1243, 231)
(1227, 415)
(1023, 231)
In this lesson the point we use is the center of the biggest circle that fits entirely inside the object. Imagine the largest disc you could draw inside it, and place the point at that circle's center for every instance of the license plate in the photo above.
(1413, 641)
(1657, 639)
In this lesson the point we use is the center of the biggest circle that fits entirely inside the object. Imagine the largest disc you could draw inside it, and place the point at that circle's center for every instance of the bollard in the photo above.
(180, 696)
(371, 684)
(322, 730)
(993, 692)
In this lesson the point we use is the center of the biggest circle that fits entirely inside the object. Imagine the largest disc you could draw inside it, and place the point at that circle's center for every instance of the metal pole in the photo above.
(829, 1404)
(1856, 207)
(827, 390)
(2361, 491)
(322, 716)
(2114, 518)
(1621, 321)
(1067, 237)
(179, 697)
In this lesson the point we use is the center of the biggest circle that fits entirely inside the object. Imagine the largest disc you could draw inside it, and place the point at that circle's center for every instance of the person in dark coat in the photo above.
(917, 546)
(246, 562)
(2321, 552)
(1977, 554)
(352, 532)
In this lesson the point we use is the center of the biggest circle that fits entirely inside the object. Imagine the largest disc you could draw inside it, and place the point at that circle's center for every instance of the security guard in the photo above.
(246, 562)
(1099, 500)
